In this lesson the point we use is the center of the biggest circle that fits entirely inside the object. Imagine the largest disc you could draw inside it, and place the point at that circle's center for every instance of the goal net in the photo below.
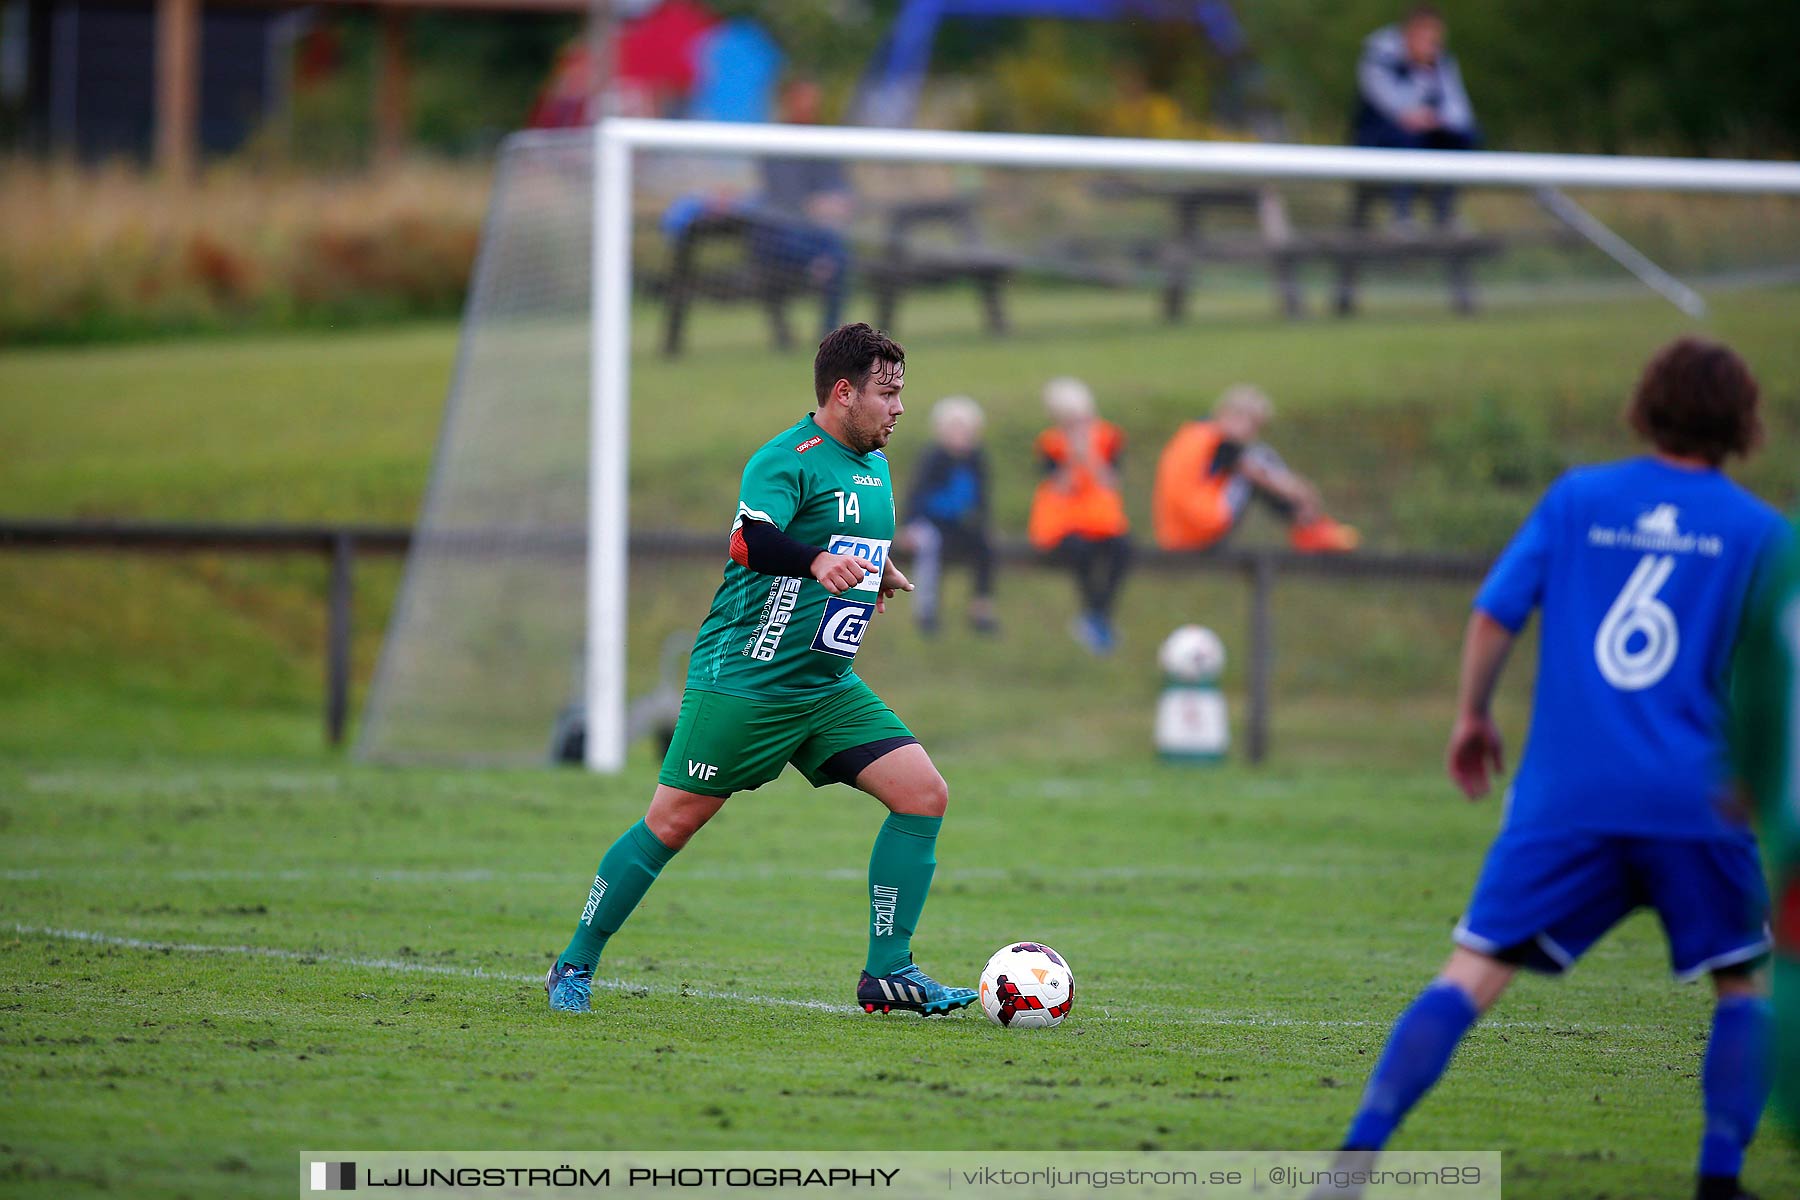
(647, 297)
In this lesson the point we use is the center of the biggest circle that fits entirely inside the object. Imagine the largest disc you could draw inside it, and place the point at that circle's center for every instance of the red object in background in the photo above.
(563, 103)
(1787, 916)
(319, 55)
(657, 49)
(654, 64)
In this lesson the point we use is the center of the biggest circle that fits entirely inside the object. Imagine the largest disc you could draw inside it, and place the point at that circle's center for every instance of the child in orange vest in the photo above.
(1211, 470)
(1077, 512)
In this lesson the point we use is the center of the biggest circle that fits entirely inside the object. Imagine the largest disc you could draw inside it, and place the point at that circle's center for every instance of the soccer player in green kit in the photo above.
(1766, 729)
(770, 680)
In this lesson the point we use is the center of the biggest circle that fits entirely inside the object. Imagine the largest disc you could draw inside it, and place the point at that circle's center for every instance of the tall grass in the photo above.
(110, 252)
(103, 252)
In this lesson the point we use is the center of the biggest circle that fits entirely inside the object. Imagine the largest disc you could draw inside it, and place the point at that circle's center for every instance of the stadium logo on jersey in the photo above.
(808, 444)
(883, 900)
(873, 551)
(777, 611)
(1660, 521)
(841, 629)
(595, 895)
(866, 480)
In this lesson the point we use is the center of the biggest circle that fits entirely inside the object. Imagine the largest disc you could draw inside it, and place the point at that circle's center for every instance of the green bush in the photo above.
(1487, 463)
(104, 253)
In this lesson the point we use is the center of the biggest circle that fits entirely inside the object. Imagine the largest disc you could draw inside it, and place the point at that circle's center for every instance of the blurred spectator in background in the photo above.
(947, 513)
(1410, 97)
(1211, 470)
(809, 202)
(654, 66)
(1078, 513)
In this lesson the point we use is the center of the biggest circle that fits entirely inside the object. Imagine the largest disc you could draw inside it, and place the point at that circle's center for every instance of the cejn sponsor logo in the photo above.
(883, 899)
(842, 627)
(808, 444)
(873, 551)
(778, 610)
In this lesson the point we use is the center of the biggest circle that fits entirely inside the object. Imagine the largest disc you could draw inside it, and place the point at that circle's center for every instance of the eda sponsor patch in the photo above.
(873, 551)
(841, 629)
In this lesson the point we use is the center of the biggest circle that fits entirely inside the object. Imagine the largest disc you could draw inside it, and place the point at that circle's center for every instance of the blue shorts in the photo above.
(1544, 898)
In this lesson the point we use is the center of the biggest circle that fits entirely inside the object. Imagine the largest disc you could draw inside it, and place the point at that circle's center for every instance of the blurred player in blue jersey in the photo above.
(1642, 570)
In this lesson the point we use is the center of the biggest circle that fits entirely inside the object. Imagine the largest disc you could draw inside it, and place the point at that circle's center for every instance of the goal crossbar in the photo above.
(1253, 159)
(609, 381)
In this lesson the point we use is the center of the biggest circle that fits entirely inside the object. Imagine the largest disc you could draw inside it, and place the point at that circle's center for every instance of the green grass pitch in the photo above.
(218, 944)
(206, 967)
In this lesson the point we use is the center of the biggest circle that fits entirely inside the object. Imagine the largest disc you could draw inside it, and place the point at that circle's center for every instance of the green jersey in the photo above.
(1766, 696)
(1766, 699)
(779, 638)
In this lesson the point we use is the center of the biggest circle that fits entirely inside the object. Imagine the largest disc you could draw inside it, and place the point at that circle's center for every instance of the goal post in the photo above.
(609, 508)
(616, 139)
(1255, 160)
(530, 571)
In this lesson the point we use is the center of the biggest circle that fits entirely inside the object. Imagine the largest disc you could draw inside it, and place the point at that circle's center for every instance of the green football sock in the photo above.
(626, 872)
(900, 870)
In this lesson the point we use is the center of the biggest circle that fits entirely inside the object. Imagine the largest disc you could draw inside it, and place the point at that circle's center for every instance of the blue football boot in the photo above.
(568, 988)
(910, 990)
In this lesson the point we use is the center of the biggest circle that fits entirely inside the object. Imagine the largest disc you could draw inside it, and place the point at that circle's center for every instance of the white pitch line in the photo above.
(717, 874)
(411, 968)
(620, 985)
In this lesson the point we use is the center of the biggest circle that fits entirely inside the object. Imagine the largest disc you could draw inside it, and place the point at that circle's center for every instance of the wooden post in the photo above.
(601, 29)
(177, 86)
(1183, 257)
(1262, 652)
(393, 111)
(337, 636)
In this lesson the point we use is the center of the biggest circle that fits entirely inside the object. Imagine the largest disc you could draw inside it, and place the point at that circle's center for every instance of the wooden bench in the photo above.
(1350, 251)
(746, 275)
(1179, 256)
(909, 262)
(1284, 251)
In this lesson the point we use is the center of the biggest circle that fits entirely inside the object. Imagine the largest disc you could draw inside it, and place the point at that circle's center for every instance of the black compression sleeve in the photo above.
(768, 551)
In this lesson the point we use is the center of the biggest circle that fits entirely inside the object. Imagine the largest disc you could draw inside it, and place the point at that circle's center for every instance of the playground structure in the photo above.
(891, 86)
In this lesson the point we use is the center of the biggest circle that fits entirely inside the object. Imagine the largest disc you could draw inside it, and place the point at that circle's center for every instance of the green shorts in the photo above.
(725, 744)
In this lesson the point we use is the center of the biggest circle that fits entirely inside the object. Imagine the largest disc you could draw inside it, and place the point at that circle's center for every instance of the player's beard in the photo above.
(869, 428)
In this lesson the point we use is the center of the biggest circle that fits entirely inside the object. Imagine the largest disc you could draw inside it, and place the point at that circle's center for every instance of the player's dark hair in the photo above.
(854, 352)
(1697, 399)
(1423, 12)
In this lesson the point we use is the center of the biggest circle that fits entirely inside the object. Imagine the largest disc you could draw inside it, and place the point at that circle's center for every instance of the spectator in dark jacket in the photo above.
(1410, 96)
(947, 513)
(808, 203)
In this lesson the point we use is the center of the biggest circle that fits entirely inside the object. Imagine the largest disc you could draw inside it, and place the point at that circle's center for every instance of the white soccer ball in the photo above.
(1192, 654)
(1027, 985)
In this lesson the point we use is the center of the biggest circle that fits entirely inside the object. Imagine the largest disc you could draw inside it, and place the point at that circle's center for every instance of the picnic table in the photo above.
(1276, 244)
(925, 243)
